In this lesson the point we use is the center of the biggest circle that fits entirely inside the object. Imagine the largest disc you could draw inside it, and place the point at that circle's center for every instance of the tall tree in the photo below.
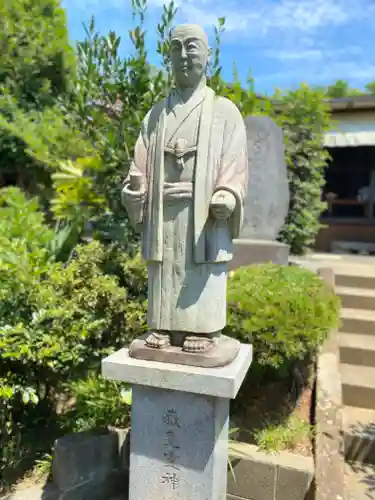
(35, 56)
(36, 66)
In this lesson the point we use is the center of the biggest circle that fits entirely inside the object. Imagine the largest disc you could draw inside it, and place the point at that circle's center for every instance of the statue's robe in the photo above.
(186, 249)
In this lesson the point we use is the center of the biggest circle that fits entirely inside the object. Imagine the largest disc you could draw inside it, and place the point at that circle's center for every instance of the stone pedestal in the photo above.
(179, 429)
(247, 252)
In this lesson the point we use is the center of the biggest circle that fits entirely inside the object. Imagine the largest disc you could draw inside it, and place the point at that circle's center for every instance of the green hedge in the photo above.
(285, 312)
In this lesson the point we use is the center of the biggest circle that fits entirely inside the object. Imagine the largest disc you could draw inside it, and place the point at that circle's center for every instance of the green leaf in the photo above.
(126, 396)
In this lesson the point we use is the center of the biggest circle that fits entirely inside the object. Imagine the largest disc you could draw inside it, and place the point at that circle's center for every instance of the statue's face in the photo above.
(189, 55)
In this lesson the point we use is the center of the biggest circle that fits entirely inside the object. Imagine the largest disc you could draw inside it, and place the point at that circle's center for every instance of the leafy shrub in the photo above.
(60, 320)
(97, 403)
(285, 312)
(12, 397)
(57, 320)
(84, 141)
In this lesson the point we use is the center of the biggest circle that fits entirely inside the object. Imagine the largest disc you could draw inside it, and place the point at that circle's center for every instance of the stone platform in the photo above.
(247, 252)
(180, 417)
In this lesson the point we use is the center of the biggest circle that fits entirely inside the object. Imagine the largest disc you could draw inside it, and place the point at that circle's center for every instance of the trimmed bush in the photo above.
(285, 312)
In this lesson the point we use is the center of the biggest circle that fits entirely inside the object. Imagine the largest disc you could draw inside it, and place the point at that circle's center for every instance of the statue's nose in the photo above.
(183, 52)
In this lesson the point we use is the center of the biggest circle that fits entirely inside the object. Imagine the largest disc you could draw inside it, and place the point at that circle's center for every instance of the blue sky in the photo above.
(282, 42)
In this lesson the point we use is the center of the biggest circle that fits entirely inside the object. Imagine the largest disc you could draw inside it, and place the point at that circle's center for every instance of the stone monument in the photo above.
(185, 192)
(267, 201)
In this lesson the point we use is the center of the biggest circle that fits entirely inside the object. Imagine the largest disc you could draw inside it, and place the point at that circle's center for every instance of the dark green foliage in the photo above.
(36, 59)
(56, 320)
(84, 142)
(98, 403)
(304, 118)
(36, 66)
(285, 312)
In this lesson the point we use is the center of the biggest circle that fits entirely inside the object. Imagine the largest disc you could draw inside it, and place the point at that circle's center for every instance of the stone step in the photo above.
(358, 386)
(361, 321)
(352, 274)
(349, 271)
(356, 247)
(356, 298)
(357, 278)
(356, 349)
(359, 434)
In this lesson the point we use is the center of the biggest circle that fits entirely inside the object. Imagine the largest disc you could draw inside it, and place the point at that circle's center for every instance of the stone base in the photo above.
(223, 382)
(247, 252)
(222, 353)
(180, 419)
(179, 445)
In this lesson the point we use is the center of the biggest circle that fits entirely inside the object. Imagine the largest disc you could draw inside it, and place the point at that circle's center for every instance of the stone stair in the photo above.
(355, 284)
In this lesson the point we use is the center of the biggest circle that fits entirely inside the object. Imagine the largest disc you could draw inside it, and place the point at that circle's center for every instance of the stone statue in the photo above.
(185, 191)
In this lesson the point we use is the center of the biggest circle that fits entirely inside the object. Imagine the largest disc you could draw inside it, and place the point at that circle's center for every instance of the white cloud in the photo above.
(207, 14)
(300, 38)
(307, 15)
(312, 54)
(294, 55)
(252, 18)
(263, 16)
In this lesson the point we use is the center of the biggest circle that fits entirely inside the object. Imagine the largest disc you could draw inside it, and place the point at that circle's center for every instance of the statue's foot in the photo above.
(157, 340)
(197, 344)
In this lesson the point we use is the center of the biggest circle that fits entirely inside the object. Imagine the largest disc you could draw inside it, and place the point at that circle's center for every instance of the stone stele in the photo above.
(267, 201)
(185, 192)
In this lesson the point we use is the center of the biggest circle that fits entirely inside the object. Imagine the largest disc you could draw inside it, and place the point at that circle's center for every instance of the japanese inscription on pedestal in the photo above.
(171, 475)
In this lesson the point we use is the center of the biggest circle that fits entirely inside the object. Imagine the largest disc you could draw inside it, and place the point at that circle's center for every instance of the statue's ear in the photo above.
(209, 52)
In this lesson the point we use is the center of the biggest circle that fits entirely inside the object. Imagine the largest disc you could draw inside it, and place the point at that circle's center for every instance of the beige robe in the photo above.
(187, 250)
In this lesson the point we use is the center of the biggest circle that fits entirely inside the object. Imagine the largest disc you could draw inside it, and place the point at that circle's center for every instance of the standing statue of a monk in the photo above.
(185, 191)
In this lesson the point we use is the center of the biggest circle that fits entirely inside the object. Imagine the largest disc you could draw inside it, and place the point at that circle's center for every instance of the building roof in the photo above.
(339, 139)
(352, 103)
(357, 102)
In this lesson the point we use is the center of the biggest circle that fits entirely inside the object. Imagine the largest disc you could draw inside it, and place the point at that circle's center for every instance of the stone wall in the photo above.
(95, 466)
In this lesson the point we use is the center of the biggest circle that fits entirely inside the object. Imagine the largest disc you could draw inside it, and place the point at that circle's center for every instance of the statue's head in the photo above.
(189, 54)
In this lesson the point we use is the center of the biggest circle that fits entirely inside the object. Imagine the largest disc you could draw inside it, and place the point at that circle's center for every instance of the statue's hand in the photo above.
(132, 197)
(222, 204)
(134, 201)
